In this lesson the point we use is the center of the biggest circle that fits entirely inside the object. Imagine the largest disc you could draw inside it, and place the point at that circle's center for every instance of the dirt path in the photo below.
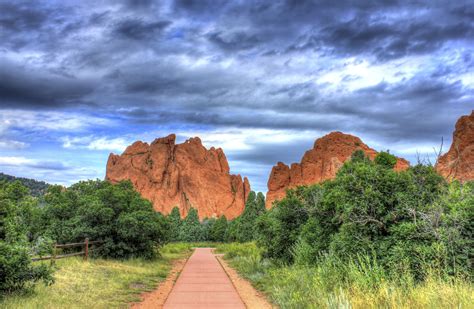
(203, 281)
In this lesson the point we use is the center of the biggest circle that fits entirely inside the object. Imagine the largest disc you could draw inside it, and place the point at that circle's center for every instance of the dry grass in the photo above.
(99, 283)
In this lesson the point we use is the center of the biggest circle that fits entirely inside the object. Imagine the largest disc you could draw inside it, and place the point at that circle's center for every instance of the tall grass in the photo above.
(360, 283)
(99, 283)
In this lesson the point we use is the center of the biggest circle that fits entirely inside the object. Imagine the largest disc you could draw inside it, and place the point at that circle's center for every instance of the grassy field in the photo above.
(99, 283)
(344, 286)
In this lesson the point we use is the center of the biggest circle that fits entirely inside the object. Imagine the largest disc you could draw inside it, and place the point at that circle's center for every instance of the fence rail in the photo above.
(84, 252)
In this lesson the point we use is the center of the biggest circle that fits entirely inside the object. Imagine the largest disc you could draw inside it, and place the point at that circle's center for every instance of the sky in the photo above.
(261, 79)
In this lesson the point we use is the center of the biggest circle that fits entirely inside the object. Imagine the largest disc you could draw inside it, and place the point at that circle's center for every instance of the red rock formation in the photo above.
(184, 175)
(458, 162)
(318, 164)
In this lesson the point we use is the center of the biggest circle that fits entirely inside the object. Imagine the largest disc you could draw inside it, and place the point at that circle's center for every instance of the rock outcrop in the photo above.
(318, 164)
(458, 162)
(184, 175)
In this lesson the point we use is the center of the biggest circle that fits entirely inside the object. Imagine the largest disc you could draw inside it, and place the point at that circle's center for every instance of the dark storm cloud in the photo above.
(234, 41)
(20, 17)
(20, 88)
(387, 40)
(407, 111)
(206, 7)
(137, 29)
(232, 63)
(390, 70)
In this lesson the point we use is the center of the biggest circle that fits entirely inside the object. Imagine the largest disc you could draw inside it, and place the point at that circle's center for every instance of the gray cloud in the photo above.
(287, 65)
(137, 29)
(22, 88)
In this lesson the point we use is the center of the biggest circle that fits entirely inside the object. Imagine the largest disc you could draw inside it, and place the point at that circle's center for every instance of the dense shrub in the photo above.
(407, 221)
(385, 159)
(16, 269)
(279, 228)
(99, 210)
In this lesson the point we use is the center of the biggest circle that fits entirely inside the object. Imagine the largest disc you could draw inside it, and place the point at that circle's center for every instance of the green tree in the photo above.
(232, 230)
(99, 210)
(16, 269)
(218, 230)
(191, 229)
(254, 207)
(174, 219)
(278, 229)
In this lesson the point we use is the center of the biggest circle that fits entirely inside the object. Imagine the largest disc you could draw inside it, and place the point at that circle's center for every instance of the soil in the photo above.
(252, 298)
(157, 298)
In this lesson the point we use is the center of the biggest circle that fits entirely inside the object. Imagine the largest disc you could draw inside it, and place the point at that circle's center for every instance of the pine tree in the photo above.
(174, 219)
(254, 207)
(218, 230)
(191, 229)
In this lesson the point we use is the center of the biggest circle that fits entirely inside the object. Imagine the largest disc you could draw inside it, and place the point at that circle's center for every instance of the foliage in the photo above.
(279, 229)
(174, 220)
(337, 283)
(385, 159)
(242, 228)
(191, 229)
(16, 269)
(408, 221)
(36, 188)
(254, 207)
(100, 210)
(218, 230)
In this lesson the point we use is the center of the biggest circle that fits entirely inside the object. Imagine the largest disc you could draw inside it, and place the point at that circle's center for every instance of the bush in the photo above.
(408, 221)
(279, 228)
(385, 159)
(100, 210)
(16, 269)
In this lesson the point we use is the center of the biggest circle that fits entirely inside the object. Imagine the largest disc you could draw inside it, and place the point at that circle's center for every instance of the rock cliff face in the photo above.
(458, 162)
(318, 164)
(184, 175)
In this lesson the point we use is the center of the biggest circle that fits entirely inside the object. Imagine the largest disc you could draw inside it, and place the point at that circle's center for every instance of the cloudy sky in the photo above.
(262, 79)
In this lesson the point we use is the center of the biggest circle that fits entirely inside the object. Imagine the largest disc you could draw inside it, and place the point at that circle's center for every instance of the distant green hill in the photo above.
(37, 188)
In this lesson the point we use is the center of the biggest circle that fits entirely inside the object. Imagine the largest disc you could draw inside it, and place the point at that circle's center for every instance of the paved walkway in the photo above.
(203, 283)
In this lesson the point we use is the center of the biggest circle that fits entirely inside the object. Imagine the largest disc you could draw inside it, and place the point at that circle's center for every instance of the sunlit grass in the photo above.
(350, 285)
(99, 283)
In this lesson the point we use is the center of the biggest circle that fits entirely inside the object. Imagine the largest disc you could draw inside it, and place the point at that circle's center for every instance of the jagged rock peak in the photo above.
(318, 164)
(458, 162)
(184, 175)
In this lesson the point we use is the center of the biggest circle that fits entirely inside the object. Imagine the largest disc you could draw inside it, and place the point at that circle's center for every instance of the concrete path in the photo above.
(203, 283)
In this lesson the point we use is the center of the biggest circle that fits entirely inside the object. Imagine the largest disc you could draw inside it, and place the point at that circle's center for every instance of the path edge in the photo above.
(141, 304)
(262, 298)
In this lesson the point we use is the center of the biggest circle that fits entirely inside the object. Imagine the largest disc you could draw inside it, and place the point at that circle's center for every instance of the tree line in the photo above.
(406, 221)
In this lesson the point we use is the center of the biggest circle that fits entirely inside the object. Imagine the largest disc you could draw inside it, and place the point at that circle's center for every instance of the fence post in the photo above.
(53, 257)
(86, 249)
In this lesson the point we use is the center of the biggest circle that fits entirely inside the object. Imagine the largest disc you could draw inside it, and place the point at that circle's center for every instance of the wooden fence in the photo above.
(85, 251)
